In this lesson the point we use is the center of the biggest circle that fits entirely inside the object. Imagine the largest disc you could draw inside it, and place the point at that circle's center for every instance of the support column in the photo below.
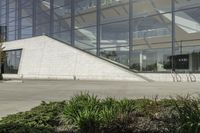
(72, 22)
(51, 18)
(141, 61)
(98, 40)
(130, 31)
(0, 11)
(34, 17)
(19, 9)
(173, 35)
(7, 20)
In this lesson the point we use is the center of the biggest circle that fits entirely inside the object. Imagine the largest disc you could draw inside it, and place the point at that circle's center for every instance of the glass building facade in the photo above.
(142, 35)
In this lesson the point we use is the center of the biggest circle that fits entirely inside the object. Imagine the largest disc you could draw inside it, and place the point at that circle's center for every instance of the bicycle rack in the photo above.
(176, 77)
(190, 77)
(187, 76)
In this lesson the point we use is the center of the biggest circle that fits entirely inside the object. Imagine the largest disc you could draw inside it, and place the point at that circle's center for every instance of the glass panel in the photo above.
(26, 3)
(12, 26)
(83, 6)
(26, 22)
(12, 6)
(86, 38)
(43, 17)
(62, 3)
(12, 61)
(43, 6)
(12, 20)
(151, 60)
(26, 32)
(143, 8)
(43, 29)
(26, 8)
(3, 30)
(27, 11)
(115, 41)
(151, 43)
(62, 25)
(63, 36)
(11, 36)
(62, 20)
(62, 9)
(62, 13)
(117, 54)
(114, 10)
(187, 24)
(184, 4)
(2, 12)
(85, 13)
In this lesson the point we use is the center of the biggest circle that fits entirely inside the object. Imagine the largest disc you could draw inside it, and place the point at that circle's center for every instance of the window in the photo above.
(12, 61)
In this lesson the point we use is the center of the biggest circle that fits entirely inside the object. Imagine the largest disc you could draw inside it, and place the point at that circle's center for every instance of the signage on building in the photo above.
(180, 62)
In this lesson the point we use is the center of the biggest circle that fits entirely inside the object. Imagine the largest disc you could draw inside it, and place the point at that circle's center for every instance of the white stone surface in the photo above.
(46, 58)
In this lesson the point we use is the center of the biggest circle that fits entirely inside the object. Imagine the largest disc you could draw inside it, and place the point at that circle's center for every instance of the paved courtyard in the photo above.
(16, 97)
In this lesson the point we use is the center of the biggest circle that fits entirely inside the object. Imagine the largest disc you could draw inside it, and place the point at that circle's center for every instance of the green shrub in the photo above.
(127, 106)
(188, 110)
(20, 128)
(42, 118)
(90, 114)
(82, 112)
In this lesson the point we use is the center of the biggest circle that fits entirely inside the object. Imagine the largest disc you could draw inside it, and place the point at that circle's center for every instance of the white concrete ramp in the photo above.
(46, 58)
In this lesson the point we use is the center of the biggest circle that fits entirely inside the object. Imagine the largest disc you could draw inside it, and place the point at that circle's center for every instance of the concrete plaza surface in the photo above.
(17, 97)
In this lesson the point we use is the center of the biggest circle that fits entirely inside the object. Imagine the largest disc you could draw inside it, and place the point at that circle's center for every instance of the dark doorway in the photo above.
(2, 68)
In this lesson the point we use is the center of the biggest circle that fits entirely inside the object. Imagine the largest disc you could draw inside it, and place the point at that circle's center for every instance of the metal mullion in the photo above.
(19, 18)
(0, 11)
(173, 34)
(51, 17)
(98, 17)
(130, 31)
(34, 17)
(72, 22)
(16, 16)
(7, 18)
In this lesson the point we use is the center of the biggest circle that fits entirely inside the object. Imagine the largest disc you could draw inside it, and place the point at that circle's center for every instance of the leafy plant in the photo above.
(127, 106)
(82, 111)
(89, 114)
(188, 110)
(42, 118)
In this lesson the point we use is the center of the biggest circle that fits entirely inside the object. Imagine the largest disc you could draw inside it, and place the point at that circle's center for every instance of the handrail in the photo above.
(187, 76)
(176, 77)
(192, 77)
(172, 73)
(179, 78)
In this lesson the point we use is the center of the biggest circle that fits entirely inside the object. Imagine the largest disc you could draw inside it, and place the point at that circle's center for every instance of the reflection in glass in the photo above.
(187, 36)
(85, 13)
(86, 39)
(114, 10)
(12, 61)
(151, 43)
(114, 41)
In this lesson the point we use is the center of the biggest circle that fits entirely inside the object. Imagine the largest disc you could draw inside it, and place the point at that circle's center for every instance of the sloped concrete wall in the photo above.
(46, 58)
